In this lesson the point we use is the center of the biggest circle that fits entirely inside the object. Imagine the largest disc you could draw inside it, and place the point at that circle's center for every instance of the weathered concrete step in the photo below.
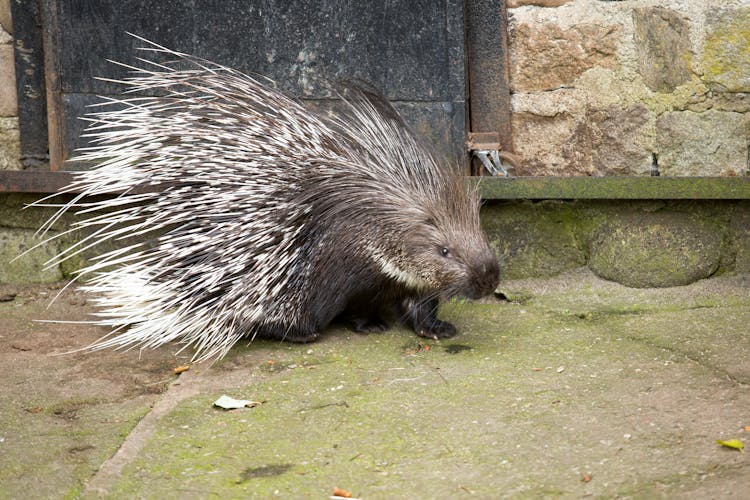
(639, 244)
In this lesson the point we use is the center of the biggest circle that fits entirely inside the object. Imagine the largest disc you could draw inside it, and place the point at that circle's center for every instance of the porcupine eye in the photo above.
(445, 252)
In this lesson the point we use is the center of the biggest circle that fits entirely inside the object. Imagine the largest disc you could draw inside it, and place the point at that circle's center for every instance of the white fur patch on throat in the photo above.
(391, 269)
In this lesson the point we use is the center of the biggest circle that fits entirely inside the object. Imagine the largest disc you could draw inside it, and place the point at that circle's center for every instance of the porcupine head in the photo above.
(264, 219)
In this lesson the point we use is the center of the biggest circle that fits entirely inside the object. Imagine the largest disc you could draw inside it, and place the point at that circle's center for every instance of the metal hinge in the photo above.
(486, 147)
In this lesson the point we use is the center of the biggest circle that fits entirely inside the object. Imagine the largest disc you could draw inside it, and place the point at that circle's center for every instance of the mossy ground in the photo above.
(583, 387)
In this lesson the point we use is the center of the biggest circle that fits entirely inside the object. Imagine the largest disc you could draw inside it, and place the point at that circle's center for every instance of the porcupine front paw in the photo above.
(435, 329)
(423, 318)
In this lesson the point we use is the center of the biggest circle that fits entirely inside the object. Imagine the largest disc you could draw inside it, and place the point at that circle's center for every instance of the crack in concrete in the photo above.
(199, 380)
(741, 382)
(110, 470)
(695, 477)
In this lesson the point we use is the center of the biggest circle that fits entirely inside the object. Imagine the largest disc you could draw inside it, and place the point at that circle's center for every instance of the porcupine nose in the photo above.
(488, 277)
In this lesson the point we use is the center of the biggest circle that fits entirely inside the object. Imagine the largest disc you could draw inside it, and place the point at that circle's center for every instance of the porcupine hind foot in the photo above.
(422, 315)
(365, 315)
(369, 324)
(288, 333)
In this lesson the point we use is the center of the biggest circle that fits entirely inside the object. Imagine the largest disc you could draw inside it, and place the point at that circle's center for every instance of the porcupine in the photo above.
(265, 219)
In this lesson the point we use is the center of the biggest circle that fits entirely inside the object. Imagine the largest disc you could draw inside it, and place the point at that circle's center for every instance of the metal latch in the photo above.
(487, 148)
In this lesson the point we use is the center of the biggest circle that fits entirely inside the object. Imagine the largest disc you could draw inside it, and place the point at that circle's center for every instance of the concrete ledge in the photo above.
(615, 188)
(498, 188)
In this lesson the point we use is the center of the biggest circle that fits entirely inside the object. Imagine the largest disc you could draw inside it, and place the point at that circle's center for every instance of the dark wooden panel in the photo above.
(407, 48)
(76, 106)
(52, 72)
(440, 124)
(412, 50)
(32, 100)
(95, 31)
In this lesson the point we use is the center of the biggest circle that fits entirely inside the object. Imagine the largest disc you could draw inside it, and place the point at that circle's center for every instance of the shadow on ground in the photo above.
(569, 387)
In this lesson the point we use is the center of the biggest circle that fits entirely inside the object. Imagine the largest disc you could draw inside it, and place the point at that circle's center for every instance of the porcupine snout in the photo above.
(486, 276)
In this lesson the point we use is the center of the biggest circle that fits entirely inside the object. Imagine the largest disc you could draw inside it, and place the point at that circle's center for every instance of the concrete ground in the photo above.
(568, 387)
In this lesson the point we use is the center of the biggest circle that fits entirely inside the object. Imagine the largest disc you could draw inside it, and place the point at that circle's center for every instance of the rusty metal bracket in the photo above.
(486, 147)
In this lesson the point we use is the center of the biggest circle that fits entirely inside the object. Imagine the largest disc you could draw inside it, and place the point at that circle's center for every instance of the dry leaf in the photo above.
(338, 492)
(732, 443)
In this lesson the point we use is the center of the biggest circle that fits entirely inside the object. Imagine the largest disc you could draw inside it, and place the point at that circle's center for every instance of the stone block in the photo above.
(15, 219)
(546, 56)
(656, 250)
(543, 156)
(533, 240)
(701, 144)
(598, 142)
(737, 102)
(612, 141)
(739, 229)
(726, 53)
(5, 37)
(30, 267)
(662, 45)
(5, 19)
(10, 144)
(16, 214)
(512, 4)
(8, 100)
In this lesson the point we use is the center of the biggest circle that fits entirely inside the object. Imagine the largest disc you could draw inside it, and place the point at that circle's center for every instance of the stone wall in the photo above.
(628, 87)
(18, 233)
(10, 151)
